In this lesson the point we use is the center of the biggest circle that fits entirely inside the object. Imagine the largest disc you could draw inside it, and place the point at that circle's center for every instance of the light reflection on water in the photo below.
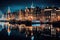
(32, 38)
(9, 33)
(8, 27)
(5, 25)
(1, 26)
(35, 24)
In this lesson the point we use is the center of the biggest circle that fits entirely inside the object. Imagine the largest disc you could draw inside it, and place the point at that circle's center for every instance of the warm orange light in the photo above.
(31, 28)
(8, 30)
(58, 17)
(30, 17)
(58, 29)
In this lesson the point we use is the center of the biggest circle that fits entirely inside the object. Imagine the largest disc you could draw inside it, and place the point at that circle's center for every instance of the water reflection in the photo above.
(9, 31)
(28, 32)
(35, 24)
(9, 27)
(32, 38)
(0, 28)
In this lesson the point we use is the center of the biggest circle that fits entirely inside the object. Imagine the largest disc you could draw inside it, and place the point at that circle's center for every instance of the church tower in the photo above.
(8, 13)
(32, 5)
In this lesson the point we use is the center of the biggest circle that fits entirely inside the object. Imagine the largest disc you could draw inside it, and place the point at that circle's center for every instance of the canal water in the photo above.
(8, 32)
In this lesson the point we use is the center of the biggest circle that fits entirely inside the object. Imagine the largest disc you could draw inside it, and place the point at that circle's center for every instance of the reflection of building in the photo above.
(53, 31)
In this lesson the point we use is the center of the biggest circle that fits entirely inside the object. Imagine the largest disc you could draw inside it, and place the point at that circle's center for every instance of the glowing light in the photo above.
(8, 30)
(35, 21)
(58, 29)
(30, 17)
(47, 9)
(31, 28)
(32, 38)
(58, 17)
(35, 25)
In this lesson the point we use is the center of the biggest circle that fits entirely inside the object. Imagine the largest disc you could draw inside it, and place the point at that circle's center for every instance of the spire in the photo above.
(47, 7)
(26, 7)
(8, 10)
(32, 5)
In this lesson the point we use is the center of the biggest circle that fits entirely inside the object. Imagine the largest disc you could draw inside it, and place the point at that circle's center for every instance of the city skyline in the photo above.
(29, 19)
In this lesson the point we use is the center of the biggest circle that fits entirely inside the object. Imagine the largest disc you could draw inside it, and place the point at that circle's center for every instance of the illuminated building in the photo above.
(26, 12)
(47, 14)
(37, 13)
(21, 15)
(58, 14)
(8, 14)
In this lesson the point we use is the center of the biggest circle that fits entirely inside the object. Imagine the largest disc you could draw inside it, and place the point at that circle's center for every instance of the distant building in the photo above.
(35, 13)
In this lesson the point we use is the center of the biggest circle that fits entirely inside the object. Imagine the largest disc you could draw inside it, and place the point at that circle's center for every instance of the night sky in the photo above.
(21, 4)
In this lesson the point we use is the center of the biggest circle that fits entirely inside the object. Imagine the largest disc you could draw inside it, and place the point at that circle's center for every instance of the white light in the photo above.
(32, 38)
(9, 33)
(35, 21)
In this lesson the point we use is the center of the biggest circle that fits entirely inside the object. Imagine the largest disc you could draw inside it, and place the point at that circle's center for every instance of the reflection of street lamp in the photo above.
(8, 30)
(58, 29)
(31, 28)
(21, 27)
(58, 18)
